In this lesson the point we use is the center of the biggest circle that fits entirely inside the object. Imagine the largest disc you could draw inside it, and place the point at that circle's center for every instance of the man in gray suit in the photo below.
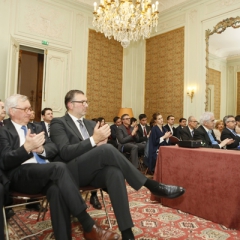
(82, 146)
(128, 140)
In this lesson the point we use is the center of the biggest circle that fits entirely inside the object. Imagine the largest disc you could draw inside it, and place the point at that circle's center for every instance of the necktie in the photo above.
(1, 123)
(192, 133)
(49, 130)
(212, 138)
(145, 132)
(235, 134)
(39, 160)
(83, 129)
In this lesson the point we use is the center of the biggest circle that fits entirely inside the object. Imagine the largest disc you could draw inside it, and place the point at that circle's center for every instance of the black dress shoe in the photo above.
(168, 191)
(95, 202)
(9, 213)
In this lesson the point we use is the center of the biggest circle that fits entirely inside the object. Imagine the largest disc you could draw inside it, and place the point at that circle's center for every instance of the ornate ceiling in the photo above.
(163, 4)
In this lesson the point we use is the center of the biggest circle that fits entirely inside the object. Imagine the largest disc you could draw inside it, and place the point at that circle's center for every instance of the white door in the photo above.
(55, 81)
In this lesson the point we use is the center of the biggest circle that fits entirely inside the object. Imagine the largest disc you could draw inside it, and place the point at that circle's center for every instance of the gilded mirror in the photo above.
(214, 50)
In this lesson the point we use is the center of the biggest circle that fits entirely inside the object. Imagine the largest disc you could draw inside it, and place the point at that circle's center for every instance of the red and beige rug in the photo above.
(152, 222)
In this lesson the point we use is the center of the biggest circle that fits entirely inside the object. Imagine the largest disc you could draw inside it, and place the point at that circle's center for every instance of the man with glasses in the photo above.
(229, 132)
(82, 146)
(205, 132)
(128, 140)
(24, 151)
(188, 131)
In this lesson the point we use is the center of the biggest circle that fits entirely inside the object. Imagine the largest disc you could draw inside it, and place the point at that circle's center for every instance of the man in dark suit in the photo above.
(82, 146)
(229, 131)
(128, 140)
(113, 137)
(47, 116)
(143, 129)
(188, 131)
(23, 155)
(204, 132)
(170, 125)
(182, 124)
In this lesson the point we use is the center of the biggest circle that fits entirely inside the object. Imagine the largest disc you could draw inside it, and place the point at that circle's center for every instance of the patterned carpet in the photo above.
(152, 222)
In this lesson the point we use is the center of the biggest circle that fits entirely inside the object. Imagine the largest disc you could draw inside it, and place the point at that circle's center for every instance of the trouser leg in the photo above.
(1, 212)
(34, 178)
(60, 214)
(113, 179)
(98, 158)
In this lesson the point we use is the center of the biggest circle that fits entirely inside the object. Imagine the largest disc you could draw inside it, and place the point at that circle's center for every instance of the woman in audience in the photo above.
(218, 129)
(133, 122)
(159, 137)
(101, 120)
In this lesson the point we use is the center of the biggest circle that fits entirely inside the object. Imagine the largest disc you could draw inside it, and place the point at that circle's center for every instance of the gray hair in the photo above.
(190, 118)
(12, 101)
(205, 117)
(225, 119)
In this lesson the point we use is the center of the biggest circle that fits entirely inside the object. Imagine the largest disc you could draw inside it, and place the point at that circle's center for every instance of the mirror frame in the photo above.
(219, 28)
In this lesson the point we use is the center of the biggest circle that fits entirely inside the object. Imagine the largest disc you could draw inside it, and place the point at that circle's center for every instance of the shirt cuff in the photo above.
(43, 153)
(92, 142)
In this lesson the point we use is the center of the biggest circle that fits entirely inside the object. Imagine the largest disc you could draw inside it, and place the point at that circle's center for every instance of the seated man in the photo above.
(143, 129)
(188, 131)
(23, 155)
(128, 140)
(47, 116)
(170, 125)
(113, 136)
(82, 146)
(229, 131)
(178, 130)
(204, 132)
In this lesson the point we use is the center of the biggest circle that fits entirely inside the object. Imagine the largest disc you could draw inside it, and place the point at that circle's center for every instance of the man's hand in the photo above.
(134, 131)
(34, 141)
(100, 135)
(226, 141)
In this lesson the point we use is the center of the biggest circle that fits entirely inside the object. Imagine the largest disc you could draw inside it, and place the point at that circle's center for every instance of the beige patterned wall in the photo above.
(164, 82)
(215, 80)
(238, 93)
(104, 76)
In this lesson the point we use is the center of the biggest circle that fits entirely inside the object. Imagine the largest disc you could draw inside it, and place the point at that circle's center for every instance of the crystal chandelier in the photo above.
(124, 20)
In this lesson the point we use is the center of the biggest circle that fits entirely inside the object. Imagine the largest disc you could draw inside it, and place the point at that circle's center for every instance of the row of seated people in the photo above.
(75, 155)
(160, 135)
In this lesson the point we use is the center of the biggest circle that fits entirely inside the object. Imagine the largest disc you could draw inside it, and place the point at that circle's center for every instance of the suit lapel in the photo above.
(88, 126)
(12, 130)
(72, 125)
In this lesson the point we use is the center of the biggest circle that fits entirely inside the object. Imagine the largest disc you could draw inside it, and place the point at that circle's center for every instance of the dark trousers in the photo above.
(1, 211)
(134, 149)
(106, 167)
(61, 190)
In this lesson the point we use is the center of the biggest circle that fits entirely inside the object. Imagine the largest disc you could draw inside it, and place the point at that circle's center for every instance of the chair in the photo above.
(89, 189)
(38, 198)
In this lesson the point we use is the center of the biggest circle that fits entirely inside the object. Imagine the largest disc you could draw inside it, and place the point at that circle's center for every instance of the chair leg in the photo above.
(5, 224)
(43, 209)
(110, 225)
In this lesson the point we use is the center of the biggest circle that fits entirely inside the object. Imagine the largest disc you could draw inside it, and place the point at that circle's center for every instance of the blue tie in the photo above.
(39, 160)
(212, 138)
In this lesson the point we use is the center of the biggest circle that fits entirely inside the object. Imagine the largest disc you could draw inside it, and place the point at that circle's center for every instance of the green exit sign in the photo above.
(44, 42)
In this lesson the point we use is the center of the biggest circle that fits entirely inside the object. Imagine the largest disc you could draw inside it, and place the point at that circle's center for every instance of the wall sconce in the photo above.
(190, 92)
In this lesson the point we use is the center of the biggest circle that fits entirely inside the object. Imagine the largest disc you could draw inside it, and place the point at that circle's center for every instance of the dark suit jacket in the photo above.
(12, 155)
(123, 137)
(186, 134)
(168, 129)
(113, 131)
(201, 134)
(178, 131)
(71, 145)
(226, 133)
(44, 128)
(140, 133)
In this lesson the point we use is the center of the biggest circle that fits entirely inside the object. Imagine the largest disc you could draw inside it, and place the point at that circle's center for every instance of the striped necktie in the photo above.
(39, 160)
(83, 129)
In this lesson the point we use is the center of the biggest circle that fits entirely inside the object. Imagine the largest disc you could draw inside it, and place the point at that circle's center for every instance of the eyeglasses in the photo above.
(26, 110)
(84, 102)
(126, 118)
(233, 121)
